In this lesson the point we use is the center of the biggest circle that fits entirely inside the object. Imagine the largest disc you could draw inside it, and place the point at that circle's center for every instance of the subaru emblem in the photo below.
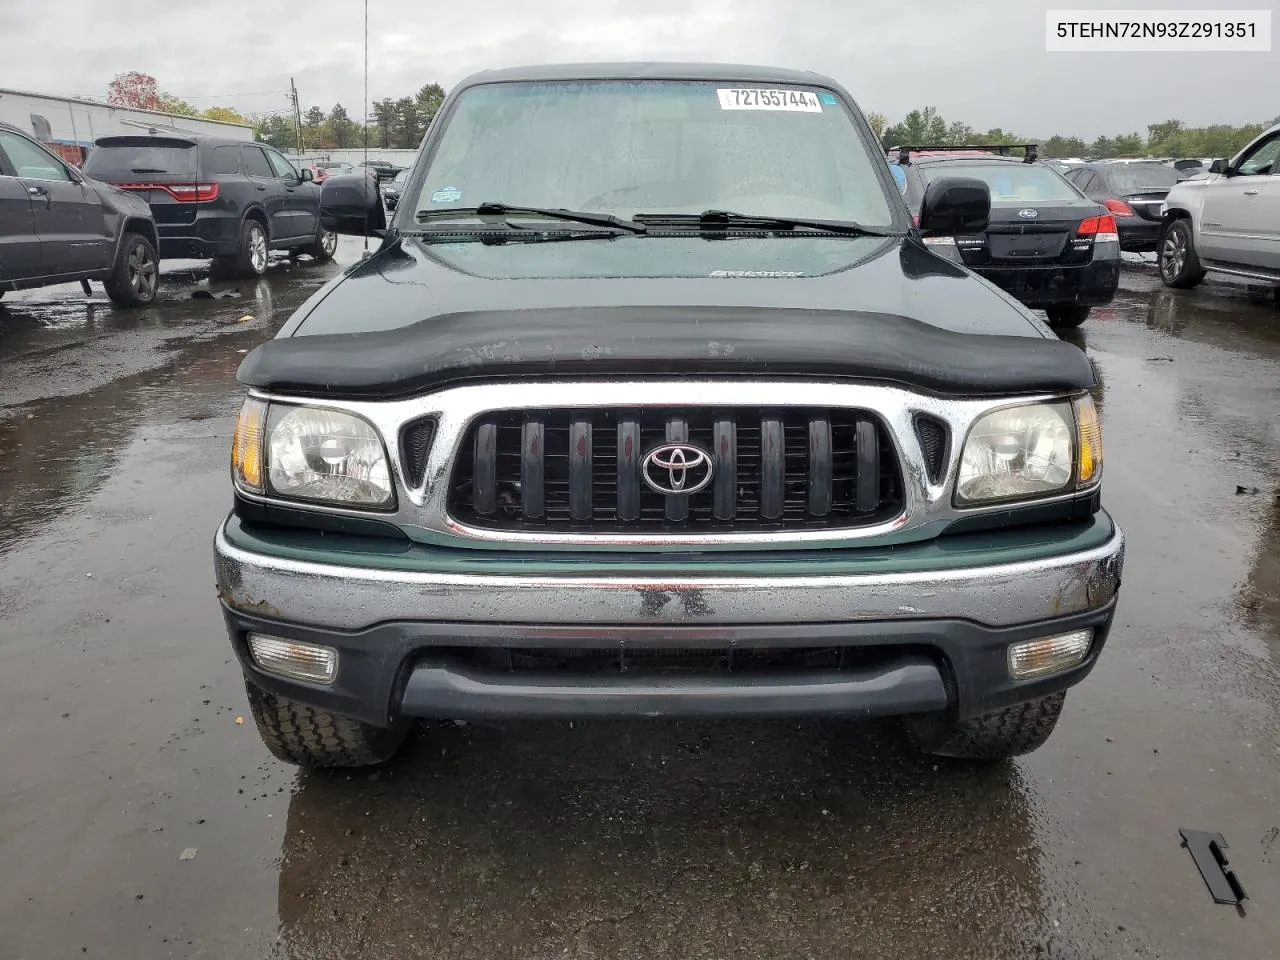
(1028, 214)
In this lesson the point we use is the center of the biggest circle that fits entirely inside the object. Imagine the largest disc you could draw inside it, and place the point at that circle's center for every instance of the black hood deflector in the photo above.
(622, 341)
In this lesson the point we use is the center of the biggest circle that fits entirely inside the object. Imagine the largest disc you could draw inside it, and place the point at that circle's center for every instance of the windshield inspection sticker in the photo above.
(446, 195)
(753, 98)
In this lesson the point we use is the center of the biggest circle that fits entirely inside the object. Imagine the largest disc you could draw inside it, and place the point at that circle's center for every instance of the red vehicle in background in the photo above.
(323, 170)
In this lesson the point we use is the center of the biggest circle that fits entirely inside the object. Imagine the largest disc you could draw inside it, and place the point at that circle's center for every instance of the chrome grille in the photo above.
(580, 470)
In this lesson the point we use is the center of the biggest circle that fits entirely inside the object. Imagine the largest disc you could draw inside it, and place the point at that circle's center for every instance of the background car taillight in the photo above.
(193, 192)
(183, 192)
(1119, 208)
(1102, 229)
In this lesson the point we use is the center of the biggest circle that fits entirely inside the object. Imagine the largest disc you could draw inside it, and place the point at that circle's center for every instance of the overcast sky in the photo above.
(980, 61)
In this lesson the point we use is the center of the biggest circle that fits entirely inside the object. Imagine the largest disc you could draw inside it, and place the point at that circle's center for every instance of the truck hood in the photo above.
(421, 313)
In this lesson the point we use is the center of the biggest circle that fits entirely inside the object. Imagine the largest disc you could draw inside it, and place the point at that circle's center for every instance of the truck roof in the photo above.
(649, 70)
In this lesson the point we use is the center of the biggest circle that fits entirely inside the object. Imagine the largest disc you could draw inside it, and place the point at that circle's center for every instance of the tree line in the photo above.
(393, 123)
(401, 123)
(1171, 138)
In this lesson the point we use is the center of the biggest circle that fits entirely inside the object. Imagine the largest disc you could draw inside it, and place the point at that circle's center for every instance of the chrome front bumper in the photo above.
(350, 598)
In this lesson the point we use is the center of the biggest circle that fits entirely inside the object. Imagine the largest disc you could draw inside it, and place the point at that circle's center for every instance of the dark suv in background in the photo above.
(57, 226)
(1046, 243)
(227, 200)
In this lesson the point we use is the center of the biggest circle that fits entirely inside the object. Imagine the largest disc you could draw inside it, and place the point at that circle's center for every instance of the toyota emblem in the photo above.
(677, 469)
(1028, 214)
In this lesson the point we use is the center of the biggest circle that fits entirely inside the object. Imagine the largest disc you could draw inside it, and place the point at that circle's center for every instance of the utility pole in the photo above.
(297, 113)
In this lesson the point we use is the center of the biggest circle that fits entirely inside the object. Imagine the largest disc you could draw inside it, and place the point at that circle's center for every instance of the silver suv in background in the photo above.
(1228, 222)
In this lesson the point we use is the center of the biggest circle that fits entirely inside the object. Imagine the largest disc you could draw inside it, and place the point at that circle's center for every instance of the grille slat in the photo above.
(772, 468)
(724, 447)
(574, 471)
(484, 470)
(532, 476)
(580, 464)
(628, 466)
(821, 466)
(867, 478)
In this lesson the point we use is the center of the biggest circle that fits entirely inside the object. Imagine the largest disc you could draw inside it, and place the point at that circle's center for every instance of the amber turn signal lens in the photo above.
(246, 446)
(1089, 433)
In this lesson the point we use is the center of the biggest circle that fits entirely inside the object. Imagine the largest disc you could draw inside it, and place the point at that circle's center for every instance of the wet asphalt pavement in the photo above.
(122, 742)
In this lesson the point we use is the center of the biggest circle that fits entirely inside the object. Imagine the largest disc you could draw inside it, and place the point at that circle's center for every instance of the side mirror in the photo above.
(307, 174)
(1219, 166)
(955, 205)
(353, 205)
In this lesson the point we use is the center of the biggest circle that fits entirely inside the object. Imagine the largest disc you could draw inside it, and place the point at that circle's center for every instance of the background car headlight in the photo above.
(326, 455)
(1018, 453)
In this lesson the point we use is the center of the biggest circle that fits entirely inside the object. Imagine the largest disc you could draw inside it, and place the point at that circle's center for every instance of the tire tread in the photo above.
(1009, 732)
(304, 735)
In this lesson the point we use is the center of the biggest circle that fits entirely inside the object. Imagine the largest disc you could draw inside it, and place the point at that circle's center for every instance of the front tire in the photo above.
(998, 735)
(1179, 263)
(300, 734)
(251, 257)
(136, 275)
(1066, 316)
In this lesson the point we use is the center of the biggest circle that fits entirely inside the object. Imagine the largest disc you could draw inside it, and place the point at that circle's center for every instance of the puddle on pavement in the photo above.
(56, 450)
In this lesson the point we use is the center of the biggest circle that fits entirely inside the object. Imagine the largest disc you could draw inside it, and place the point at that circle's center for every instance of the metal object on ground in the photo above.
(1207, 851)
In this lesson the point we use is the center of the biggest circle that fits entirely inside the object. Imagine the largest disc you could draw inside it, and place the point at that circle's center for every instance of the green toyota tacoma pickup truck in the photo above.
(652, 401)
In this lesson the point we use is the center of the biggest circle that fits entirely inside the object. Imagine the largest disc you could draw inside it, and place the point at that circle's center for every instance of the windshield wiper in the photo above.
(719, 219)
(492, 209)
(146, 170)
(492, 237)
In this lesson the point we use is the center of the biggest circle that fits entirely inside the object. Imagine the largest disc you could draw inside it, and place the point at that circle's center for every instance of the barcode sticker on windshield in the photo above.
(753, 98)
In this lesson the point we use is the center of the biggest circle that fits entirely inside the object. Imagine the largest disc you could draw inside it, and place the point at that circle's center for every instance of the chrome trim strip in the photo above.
(423, 515)
(1217, 267)
(353, 598)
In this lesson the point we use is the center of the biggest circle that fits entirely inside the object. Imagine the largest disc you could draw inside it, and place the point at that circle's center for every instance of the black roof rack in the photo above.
(1030, 150)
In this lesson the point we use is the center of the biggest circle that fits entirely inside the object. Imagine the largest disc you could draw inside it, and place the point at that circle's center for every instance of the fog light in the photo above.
(294, 659)
(1039, 658)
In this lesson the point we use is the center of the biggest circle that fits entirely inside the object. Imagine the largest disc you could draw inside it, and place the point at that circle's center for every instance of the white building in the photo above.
(70, 126)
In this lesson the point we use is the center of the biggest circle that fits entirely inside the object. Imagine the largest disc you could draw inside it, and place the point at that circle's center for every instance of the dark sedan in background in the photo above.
(1133, 192)
(1045, 243)
(391, 191)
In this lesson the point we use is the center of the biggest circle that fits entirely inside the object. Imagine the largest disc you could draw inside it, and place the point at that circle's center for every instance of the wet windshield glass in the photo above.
(1137, 177)
(624, 147)
(1009, 182)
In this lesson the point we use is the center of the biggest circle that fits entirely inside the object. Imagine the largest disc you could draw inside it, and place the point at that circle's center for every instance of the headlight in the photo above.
(310, 453)
(1019, 453)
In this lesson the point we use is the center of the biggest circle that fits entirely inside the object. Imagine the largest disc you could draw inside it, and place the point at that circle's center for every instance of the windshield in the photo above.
(1139, 177)
(1009, 182)
(626, 147)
